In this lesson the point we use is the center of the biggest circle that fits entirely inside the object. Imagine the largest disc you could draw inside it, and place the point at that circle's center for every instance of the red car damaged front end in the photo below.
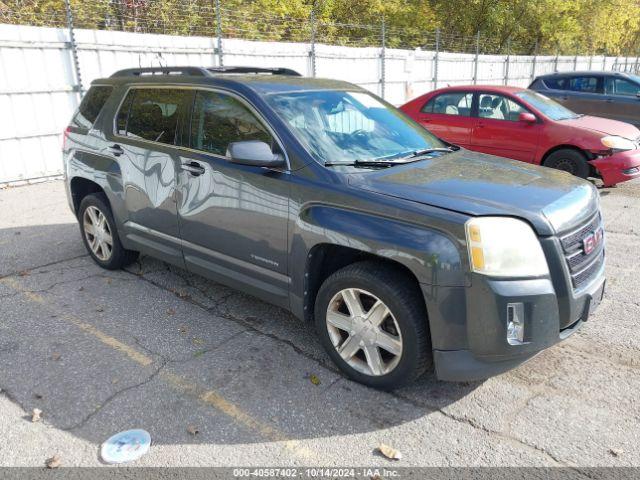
(618, 167)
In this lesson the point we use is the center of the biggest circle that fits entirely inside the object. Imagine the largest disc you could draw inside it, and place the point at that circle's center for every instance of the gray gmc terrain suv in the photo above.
(317, 196)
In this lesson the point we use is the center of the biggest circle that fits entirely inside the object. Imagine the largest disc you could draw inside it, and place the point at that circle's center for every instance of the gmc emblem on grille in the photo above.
(591, 241)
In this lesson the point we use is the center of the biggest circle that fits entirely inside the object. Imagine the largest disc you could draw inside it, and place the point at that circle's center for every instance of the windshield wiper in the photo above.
(364, 163)
(426, 151)
(413, 157)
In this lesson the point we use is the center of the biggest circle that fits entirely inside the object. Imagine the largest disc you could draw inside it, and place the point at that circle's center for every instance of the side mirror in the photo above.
(638, 94)
(527, 117)
(255, 153)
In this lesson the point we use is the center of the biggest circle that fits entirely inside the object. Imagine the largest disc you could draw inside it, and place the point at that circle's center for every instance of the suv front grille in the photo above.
(582, 265)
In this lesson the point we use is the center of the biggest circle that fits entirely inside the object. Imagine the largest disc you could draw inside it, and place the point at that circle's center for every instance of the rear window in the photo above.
(151, 114)
(457, 103)
(91, 105)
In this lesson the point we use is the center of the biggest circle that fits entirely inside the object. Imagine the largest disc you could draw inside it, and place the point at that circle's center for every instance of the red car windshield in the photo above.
(546, 106)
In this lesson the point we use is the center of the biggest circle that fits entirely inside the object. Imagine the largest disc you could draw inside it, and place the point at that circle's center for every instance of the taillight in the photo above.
(65, 135)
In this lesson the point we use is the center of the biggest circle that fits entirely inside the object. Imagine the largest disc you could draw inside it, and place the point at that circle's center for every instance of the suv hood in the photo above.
(478, 184)
(604, 126)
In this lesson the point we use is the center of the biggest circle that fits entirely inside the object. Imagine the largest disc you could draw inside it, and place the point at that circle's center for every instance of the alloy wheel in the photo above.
(97, 233)
(364, 332)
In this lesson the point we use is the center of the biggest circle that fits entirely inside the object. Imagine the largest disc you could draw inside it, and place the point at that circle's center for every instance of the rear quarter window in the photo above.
(91, 106)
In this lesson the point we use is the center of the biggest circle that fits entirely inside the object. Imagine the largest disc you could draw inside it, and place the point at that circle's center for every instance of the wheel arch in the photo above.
(324, 259)
(80, 187)
(566, 146)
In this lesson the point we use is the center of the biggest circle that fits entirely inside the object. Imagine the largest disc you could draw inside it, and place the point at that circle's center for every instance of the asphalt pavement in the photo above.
(219, 378)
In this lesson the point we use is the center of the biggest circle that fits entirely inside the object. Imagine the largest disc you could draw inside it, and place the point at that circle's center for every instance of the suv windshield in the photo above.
(349, 126)
(546, 106)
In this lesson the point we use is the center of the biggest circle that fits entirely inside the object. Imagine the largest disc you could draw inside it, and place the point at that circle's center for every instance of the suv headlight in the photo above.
(504, 247)
(617, 143)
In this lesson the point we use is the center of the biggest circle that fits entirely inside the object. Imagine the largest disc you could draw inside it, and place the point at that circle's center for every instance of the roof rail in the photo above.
(255, 70)
(138, 72)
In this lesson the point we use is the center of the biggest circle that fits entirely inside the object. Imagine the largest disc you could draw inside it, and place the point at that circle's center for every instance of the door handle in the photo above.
(116, 150)
(194, 168)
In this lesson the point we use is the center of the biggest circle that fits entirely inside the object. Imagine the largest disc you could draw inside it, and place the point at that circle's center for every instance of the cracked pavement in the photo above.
(158, 348)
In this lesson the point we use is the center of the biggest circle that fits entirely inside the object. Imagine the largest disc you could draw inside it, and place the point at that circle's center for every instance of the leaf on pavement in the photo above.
(197, 341)
(314, 379)
(390, 452)
(53, 462)
(171, 311)
(55, 356)
(36, 415)
(193, 430)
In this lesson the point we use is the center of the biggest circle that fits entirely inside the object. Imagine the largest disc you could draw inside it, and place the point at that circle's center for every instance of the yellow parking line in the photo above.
(208, 397)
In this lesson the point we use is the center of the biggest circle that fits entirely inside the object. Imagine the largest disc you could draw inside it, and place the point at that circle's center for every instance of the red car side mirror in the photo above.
(527, 117)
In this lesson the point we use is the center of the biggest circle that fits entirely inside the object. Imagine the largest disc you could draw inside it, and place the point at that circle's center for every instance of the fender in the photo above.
(431, 255)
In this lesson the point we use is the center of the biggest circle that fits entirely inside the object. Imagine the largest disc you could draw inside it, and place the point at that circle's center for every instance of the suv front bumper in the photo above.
(487, 351)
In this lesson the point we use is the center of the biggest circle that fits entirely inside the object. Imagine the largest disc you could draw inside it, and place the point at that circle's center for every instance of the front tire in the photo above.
(372, 322)
(100, 235)
(569, 160)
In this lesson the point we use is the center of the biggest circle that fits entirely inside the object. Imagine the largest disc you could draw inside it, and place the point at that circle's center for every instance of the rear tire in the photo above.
(383, 347)
(569, 160)
(100, 235)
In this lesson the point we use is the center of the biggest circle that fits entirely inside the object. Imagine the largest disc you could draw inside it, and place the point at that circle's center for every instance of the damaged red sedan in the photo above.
(525, 125)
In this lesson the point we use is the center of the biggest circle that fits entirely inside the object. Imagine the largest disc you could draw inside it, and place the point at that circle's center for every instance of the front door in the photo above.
(233, 218)
(498, 130)
(621, 100)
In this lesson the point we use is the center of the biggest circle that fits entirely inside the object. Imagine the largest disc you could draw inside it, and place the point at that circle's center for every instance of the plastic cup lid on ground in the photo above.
(126, 446)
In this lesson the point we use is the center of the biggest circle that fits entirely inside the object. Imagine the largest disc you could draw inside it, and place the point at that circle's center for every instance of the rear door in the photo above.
(499, 131)
(233, 218)
(448, 116)
(144, 142)
(582, 94)
(621, 100)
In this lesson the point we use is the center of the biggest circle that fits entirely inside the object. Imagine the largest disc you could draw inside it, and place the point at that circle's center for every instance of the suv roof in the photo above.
(261, 80)
(584, 72)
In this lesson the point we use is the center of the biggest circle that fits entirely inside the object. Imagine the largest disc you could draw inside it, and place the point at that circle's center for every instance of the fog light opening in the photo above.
(515, 323)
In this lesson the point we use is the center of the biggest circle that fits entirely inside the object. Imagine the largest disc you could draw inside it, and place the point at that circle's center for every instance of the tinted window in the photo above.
(619, 86)
(458, 103)
(219, 120)
(556, 83)
(583, 84)
(499, 107)
(91, 105)
(153, 114)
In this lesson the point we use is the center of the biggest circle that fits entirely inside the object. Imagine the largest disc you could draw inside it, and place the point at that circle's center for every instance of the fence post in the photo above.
(219, 34)
(555, 61)
(591, 60)
(74, 49)
(575, 61)
(435, 60)
(382, 59)
(506, 64)
(533, 62)
(475, 61)
(312, 52)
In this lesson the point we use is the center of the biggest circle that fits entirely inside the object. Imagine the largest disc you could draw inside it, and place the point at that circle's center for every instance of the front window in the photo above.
(499, 107)
(549, 108)
(350, 126)
(619, 86)
(219, 119)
